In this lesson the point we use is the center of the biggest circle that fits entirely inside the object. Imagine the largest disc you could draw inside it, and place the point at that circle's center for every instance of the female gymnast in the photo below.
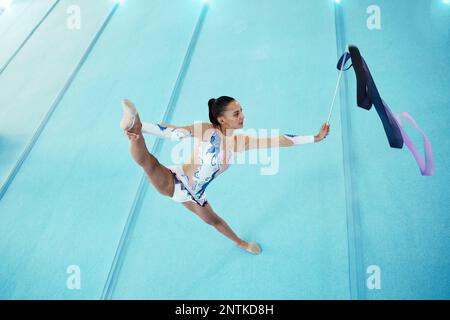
(213, 153)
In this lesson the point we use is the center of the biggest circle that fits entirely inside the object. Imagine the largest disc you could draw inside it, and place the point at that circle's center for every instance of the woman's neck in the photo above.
(224, 131)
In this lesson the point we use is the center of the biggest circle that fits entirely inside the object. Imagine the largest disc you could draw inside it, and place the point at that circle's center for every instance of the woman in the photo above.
(213, 153)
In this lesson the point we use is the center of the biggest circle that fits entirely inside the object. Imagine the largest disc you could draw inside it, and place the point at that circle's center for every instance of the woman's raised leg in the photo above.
(160, 176)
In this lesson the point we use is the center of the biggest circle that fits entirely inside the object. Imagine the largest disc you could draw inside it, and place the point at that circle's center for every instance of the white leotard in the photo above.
(209, 162)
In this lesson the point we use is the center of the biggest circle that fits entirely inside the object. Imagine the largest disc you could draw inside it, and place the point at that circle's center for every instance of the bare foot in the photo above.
(251, 247)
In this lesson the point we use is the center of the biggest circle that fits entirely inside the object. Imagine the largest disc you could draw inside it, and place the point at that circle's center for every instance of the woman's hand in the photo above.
(324, 130)
(131, 136)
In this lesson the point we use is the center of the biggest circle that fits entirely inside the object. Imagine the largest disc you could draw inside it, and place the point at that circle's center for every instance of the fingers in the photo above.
(131, 135)
(325, 129)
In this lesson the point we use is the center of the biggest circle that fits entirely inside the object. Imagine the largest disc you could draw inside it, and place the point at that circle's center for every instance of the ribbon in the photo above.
(368, 95)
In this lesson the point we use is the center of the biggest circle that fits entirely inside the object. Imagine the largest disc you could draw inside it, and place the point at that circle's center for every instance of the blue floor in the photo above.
(71, 194)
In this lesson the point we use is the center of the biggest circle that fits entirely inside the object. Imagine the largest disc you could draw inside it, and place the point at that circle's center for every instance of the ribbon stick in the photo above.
(342, 62)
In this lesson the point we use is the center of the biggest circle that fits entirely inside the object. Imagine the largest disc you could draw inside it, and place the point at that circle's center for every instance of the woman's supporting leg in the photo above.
(160, 176)
(208, 215)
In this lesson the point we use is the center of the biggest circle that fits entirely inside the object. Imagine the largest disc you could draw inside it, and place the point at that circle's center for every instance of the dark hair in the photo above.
(217, 108)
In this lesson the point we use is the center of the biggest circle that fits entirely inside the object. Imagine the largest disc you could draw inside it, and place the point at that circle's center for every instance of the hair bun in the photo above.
(211, 102)
(217, 107)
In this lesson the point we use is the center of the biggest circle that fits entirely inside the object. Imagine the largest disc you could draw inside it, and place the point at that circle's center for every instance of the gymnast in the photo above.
(215, 148)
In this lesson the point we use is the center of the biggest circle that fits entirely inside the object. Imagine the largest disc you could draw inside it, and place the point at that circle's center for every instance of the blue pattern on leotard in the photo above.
(209, 165)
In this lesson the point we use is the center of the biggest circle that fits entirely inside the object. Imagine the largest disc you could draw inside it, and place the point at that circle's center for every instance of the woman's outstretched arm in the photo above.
(175, 132)
(245, 142)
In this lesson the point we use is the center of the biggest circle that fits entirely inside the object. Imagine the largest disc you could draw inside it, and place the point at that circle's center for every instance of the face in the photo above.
(233, 117)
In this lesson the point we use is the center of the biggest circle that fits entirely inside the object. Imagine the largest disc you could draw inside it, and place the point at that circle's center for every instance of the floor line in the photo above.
(122, 248)
(12, 174)
(354, 239)
(24, 42)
